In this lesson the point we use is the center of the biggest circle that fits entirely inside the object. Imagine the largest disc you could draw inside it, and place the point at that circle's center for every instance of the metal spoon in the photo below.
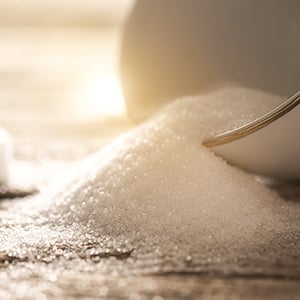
(264, 146)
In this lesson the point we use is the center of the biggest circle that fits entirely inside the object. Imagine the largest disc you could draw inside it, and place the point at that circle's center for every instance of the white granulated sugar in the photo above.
(161, 201)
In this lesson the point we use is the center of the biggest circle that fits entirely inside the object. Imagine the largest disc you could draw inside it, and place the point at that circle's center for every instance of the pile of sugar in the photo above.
(165, 202)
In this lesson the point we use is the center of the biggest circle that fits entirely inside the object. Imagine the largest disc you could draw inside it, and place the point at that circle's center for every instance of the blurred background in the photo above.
(59, 59)
(60, 97)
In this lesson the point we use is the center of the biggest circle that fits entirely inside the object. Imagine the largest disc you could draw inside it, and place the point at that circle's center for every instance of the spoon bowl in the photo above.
(269, 145)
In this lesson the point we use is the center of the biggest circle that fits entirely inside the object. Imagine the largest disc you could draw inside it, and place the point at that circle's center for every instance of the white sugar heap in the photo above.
(175, 204)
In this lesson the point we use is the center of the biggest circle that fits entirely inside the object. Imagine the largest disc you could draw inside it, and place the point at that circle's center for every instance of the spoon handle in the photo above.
(261, 122)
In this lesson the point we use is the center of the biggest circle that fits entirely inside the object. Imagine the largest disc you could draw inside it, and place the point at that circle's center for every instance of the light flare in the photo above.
(101, 96)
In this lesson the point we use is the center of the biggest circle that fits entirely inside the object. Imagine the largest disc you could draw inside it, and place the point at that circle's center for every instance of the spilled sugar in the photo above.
(156, 200)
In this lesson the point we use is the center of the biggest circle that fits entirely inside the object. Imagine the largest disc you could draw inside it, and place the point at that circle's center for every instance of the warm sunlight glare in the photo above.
(102, 96)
